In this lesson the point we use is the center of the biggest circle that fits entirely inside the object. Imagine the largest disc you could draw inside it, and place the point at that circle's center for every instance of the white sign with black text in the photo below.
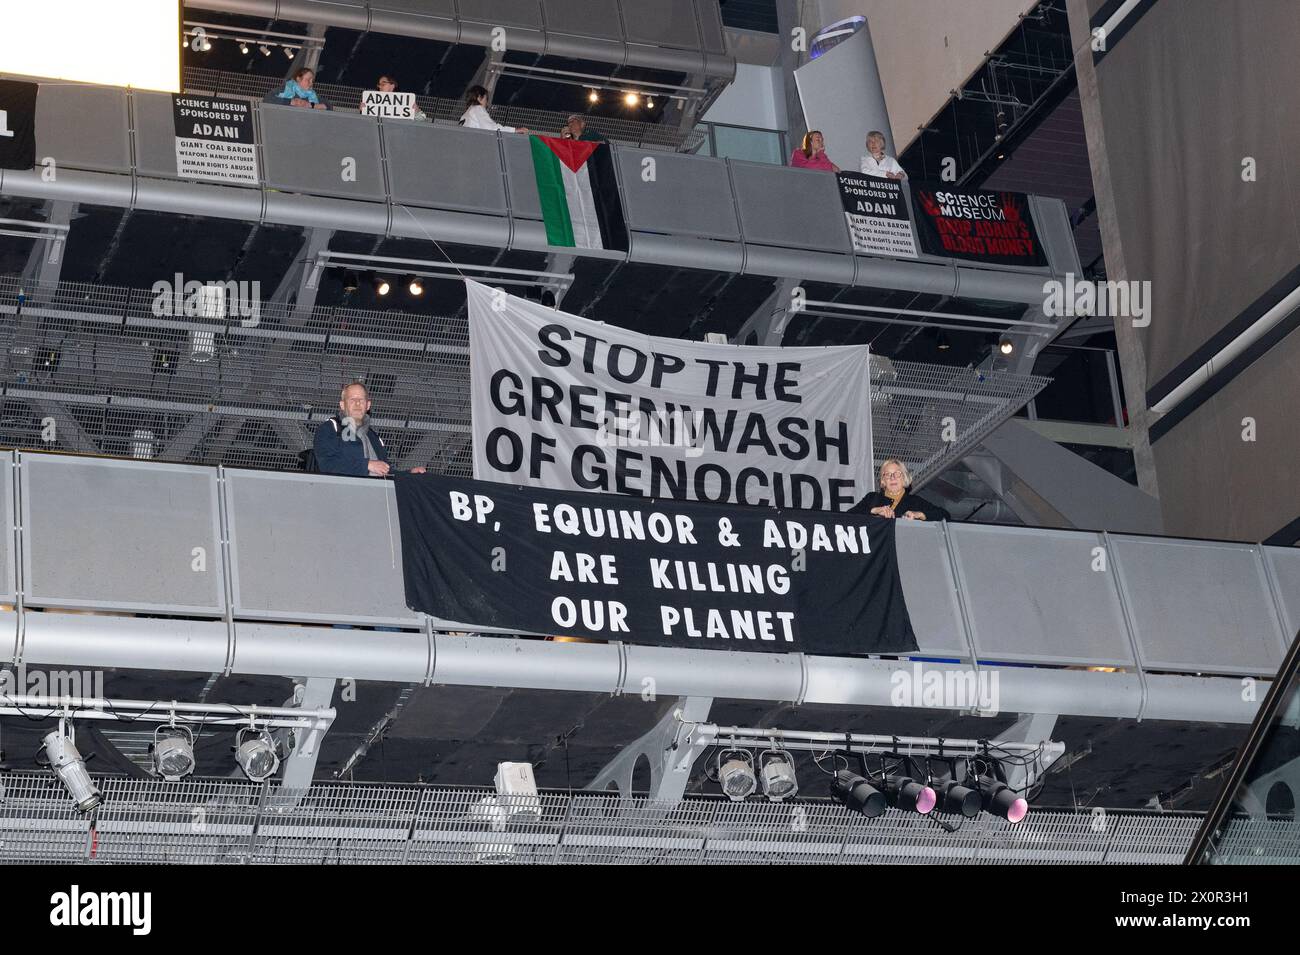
(877, 214)
(388, 105)
(214, 138)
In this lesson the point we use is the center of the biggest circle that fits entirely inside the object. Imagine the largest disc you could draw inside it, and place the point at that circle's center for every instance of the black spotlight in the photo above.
(953, 797)
(905, 793)
(942, 342)
(548, 298)
(351, 281)
(999, 799)
(857, 794)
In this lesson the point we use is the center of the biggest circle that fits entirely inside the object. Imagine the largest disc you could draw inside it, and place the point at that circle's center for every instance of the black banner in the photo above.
(667, 573)
(879, 223)
(17, 125)
(214, 138)
(993, 227)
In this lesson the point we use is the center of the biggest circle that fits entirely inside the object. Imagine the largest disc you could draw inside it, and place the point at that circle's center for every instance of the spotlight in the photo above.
(200, 43)
(631, 99)
(415, 285)
(955, 798)
(351, 281)
(941, 341)
(736, 775)
(243, 48)
(1006, 346)
(857, 794)
(999, 799)
(266, 50)
(290, 53)
(66, 761)
(172, 752)
(593, 97)
(649, 102)
(255, 754)
(905, 793)
(382, 285)
(776, 771)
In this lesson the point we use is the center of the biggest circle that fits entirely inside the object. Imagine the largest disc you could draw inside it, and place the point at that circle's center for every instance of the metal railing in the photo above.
(138, 383)
(438, 109)
(220, 821)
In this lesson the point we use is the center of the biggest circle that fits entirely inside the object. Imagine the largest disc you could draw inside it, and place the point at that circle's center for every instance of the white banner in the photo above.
(570, 404)
(388, 105)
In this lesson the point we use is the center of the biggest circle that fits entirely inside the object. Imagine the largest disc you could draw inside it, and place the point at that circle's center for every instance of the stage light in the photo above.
(1006, 346)
(266, 50)
(256, 754)
(66, 761)
(172, 752)
(243, 48)
(382, 286)
(593, 97)
(414, 285)
(857, 794)
(736, 774)
(905, 793)
(953, 797)
(649, 103)
(776, 771)
(290, 53)
(631, 99)
(1000, 800)
(351, 281)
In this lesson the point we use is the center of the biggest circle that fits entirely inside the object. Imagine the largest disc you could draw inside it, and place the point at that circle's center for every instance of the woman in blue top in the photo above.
(298, 92)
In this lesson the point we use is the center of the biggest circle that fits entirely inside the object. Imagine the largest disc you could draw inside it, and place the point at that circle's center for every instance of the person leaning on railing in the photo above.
(812, 153)
(576, 128)
(895, 497)
(876, 163)
(476, 115)
(298, 92)
(347, 444)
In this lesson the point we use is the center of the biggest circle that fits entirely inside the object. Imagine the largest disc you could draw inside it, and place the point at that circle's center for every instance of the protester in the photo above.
(347, 444)
(576, 128)
(876, 163)
(298, 92)
(386, 84)
(812, 154)
(895, 497)
(476, 115)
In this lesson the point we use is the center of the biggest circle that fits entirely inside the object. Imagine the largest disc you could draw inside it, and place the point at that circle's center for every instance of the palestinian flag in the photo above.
(579, 195)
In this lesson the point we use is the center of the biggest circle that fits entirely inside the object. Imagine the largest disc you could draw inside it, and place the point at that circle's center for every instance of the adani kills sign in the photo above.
(994, 227)
(666, 573)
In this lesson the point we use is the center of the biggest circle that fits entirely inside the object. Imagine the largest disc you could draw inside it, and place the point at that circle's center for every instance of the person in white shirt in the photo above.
(476, 115)
(876, 163)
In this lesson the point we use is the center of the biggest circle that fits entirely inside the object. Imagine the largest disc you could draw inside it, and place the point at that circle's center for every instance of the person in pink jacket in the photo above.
(812, 154)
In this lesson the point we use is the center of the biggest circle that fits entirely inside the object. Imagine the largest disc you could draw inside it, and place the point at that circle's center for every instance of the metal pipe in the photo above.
(159, 710)
(710, 733)
(1003, 322)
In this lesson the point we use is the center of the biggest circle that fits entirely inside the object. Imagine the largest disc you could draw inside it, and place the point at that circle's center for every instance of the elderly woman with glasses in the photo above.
(895, 497)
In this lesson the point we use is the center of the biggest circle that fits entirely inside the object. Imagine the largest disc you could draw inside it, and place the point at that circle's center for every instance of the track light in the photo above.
(66, 761)
(649, 102)
(593, 97)
(942, 342)
(351, 281)
(290, 52)
(776, 771)
(243, 48)
(255, 754)
(1001, 800)
(172, 752)
(631, 99)
(857, 794)
(415, 285)
(382, 286)
(1006, 346)
(953, 797)
(905, 793)
(736, 774)
(266, 50)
